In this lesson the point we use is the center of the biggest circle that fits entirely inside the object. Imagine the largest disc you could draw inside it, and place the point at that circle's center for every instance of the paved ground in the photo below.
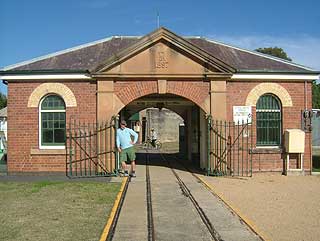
(175, 218)
(284, 208)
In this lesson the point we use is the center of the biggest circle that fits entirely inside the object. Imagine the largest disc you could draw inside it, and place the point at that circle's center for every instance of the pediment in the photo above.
(162, 53)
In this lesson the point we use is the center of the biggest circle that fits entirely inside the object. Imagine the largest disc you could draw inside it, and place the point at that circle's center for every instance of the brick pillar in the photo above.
(108, 103)
(189, 134)
(105, 100)
(218, 99)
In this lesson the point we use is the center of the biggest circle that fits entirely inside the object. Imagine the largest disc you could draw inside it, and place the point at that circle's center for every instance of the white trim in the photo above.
(234, 76)
(52, 147)
(268, 147)
(40, 126)
(46, 76)
(276, 76)
(52, 111)
(259, 54)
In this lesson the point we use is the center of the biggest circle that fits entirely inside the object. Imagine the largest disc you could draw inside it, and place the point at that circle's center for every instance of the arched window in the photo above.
(269, 121)
(52, 122)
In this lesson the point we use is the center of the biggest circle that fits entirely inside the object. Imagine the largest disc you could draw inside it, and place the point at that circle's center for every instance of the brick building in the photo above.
(194, 77)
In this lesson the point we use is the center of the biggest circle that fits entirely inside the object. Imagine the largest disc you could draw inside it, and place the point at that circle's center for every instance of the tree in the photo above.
(274, 51)
(280, 53)
(3, 100)
(315, 95)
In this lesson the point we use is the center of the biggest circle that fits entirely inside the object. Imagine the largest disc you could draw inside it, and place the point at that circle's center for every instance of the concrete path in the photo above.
(132, 223)
(175, 217)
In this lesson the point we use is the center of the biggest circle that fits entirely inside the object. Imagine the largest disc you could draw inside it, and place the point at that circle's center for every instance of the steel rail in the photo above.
(151, 233)
(117, 214)
(213, 193)
(186, 191)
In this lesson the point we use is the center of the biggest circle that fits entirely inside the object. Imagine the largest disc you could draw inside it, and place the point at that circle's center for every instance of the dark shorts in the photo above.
(129, 152)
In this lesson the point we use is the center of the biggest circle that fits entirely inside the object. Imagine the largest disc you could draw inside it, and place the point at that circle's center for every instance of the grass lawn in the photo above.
(55, 210)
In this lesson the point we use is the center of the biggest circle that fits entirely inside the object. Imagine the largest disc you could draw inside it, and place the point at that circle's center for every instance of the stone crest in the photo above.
(161, 60)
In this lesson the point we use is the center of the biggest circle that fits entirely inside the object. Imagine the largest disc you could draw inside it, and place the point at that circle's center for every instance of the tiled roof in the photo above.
(87, 56)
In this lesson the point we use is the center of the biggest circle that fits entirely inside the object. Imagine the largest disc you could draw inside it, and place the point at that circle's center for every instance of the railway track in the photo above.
(151, 233)
(174, 164)
(116, 217)
(215, 235)
(213, 193)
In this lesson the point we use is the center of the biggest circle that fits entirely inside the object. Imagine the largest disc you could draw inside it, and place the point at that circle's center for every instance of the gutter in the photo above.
(266, 71)
(42, 71)
(43, 74)
(276, 75)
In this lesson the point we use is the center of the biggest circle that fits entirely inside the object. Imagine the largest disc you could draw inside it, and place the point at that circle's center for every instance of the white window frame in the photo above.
(40, 125)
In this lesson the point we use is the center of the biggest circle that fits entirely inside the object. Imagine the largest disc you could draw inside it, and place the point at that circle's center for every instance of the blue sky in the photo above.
(32, 28)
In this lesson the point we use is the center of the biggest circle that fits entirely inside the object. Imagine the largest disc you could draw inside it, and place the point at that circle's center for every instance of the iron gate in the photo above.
(90, 149)
(229, 146)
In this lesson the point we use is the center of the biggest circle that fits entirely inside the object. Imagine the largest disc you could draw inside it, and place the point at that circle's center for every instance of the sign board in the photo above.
(242, 114)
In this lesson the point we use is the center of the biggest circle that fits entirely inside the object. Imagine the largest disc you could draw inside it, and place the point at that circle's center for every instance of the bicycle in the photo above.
(148, 143)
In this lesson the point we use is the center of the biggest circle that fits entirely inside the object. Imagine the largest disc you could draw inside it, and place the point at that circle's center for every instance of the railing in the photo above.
(90, 149)
(229, 146)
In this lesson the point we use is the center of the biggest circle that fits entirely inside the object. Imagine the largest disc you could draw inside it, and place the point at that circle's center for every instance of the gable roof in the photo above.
(175, 42)
(89, 56)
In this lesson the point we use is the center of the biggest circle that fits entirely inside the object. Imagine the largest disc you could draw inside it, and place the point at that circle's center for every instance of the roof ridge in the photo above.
(259, 54)
(81, 46)
(64, 51)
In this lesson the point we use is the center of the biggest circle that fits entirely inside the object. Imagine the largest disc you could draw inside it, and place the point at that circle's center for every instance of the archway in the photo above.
(190, 131)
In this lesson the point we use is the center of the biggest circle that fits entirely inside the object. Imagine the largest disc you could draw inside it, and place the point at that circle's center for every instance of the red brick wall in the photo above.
(23, 121)
(196, 91)
(237, 93)
(127, 91)
(23, 126)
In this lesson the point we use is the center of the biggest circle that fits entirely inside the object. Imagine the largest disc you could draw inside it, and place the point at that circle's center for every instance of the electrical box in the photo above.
(294, 140)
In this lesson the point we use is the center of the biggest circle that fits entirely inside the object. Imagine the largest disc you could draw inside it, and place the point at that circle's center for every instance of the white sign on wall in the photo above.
(242, 114)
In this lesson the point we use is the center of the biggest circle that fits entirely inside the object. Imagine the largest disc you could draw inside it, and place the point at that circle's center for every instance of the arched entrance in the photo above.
(164, 65)
(190, 132)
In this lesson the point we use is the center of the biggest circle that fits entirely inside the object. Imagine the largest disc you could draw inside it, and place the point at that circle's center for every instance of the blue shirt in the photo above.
(124, 138)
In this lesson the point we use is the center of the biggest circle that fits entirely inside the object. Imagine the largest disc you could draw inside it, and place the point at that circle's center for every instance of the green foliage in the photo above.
(3, 100)
(274, 51)
(315, 95)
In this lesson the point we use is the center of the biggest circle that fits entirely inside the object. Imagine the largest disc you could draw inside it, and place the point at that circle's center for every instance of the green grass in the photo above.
(55, 210)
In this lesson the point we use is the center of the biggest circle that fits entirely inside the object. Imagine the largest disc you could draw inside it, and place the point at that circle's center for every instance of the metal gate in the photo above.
(229, 148)
(90, 149)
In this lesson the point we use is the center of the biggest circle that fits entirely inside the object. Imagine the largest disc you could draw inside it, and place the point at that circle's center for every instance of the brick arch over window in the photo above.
(47, 88)
(196, 91)
(271, 88)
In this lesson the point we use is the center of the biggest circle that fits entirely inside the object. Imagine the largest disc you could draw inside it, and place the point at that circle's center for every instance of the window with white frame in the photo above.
(269, 121)
(52, 122)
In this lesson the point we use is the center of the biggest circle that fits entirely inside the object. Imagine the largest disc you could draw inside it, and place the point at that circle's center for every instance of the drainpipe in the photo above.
(305, 95)
(209, 145)
(310, 139)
